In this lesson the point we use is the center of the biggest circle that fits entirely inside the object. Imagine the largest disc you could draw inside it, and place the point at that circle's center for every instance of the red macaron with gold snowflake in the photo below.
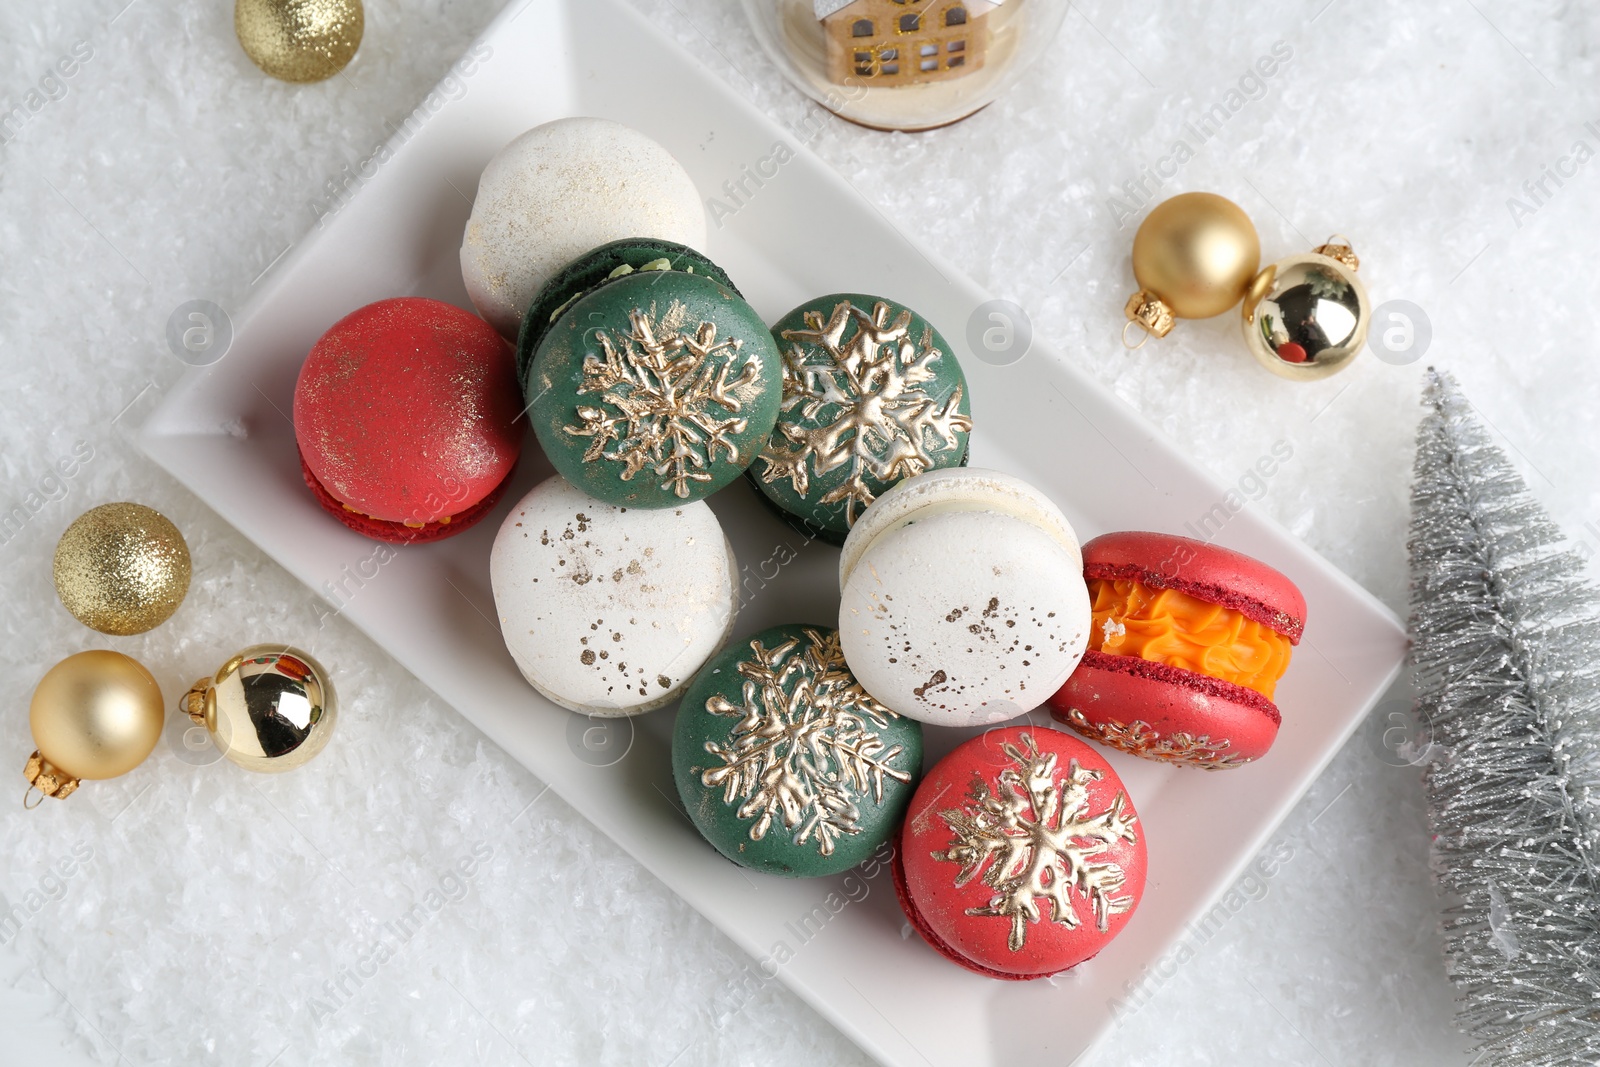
(1021, 854)
(1187, 644)
(405, 413)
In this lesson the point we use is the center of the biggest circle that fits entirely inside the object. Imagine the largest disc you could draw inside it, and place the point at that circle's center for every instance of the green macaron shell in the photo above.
(872, 394)
(806, 792)
(596, 267)
(655, 389)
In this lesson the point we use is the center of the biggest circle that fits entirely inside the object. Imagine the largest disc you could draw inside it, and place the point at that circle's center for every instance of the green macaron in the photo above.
(784, 763)
(594, 268)
(872, 395)
(656, 388)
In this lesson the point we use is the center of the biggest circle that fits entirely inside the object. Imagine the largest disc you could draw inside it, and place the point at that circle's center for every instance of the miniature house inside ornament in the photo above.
(904, 42)
(904, 64)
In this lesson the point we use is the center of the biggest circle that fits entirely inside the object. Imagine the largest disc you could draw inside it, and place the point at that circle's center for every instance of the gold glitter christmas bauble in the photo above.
(299, 40)
(270, 708)
(122, 568)
(94, 715)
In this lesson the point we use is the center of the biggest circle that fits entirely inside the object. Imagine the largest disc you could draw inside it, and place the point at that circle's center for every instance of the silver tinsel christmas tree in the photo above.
(1506, 642)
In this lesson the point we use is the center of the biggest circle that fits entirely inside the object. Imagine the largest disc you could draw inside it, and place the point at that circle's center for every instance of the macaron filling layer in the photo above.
(1288, 623)
(1183, 681)
(414, 532)
(1173, 628)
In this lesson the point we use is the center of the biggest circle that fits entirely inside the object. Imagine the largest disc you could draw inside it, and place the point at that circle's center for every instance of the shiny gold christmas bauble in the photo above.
(122, 568)
(270, 708)
(1193, 257)
(94, 715)
(299, 40)
(1306, 317)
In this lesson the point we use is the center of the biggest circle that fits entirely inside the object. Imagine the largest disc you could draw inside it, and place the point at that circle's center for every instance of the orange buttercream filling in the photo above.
(1166, 626)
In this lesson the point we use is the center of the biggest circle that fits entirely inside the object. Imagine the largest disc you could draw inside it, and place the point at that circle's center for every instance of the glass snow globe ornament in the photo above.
(904, 64)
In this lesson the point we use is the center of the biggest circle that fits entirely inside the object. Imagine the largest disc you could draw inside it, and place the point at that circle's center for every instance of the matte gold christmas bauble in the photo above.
(94, 715)
(122, 568)
(1306, 317)
(299, 40)
(1193, 257)
(270, 708)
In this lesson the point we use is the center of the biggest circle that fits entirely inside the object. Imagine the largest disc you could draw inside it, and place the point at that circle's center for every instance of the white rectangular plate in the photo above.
(223, 432)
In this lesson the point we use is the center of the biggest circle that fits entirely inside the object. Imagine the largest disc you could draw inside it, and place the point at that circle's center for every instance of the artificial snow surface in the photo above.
(414, 896)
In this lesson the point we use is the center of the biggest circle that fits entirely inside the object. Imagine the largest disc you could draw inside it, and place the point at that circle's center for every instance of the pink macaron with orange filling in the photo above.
(1187, 644)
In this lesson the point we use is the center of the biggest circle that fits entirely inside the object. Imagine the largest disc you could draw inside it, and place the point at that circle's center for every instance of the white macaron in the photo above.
(606, 610)
(962, 599)
(558, 191)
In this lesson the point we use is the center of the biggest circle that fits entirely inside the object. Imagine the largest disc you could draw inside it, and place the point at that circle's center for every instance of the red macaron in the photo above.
(1186, 647)
(405, 415)
(1021, 855)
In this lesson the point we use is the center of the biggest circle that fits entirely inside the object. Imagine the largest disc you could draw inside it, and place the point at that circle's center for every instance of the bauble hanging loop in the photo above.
(1338, 247)
(1306, 317)
(270, 708)
(94, 715)
(1150, 315)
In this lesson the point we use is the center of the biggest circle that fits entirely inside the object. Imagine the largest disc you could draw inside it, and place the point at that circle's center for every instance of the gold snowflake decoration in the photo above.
(805, 749)
(1036, 840)
(1139, 738)
(886, 427)
(664, 379)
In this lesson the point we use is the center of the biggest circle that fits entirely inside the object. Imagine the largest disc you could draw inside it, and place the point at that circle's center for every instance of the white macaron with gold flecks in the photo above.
(962, 599)
(606, 610)
(560, 190)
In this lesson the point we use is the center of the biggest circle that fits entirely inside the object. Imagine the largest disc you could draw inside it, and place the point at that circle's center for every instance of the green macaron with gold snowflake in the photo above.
(872, 395)
(784, 763)
(595, 268)
(655, 388)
